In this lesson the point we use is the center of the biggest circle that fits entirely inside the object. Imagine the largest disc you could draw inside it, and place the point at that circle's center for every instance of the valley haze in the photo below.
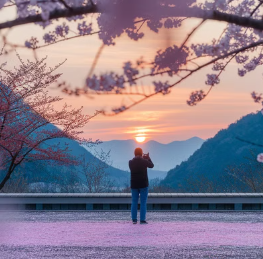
(164, 156)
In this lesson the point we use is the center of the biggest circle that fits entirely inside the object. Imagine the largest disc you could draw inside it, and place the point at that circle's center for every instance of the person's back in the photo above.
(139, 183)
(139, 177)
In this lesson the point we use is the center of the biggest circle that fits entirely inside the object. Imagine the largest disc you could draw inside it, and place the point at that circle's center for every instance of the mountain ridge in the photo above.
(217, 154)
(155, 141)
(164, 156)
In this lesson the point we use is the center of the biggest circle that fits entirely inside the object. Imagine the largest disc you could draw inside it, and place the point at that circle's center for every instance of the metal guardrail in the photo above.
(122, 201)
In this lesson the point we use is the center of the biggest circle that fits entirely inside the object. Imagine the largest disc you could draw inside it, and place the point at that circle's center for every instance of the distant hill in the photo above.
(219, 152)
(42, 171)
(164, 156)
(120, 177)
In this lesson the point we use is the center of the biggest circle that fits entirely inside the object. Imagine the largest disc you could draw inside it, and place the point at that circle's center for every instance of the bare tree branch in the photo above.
(249, 142)
(260, 3)
(96, 60)
(191, 33)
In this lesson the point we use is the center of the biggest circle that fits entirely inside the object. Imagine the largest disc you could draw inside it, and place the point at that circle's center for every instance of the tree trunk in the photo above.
(10, 171)
(2, 184)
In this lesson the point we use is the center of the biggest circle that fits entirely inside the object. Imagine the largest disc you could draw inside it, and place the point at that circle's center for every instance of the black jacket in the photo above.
(138, 167)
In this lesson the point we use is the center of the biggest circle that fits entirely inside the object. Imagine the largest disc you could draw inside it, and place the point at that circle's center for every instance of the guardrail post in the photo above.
(194, 206)
(174, 206)
(39, 206)
(89, 206)
(212, 206)
(106, 206)
(238, 206)
(157, 206)
(64, 206)
(149, 206)
(123, 207)
(55, 206)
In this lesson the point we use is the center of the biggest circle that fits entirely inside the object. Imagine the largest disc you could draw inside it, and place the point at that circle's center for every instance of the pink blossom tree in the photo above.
(29, 121)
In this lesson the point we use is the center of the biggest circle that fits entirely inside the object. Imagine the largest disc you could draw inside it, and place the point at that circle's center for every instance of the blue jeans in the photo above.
(143, 198)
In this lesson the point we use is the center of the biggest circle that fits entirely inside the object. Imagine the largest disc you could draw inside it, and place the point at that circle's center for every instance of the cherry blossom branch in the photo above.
(234, 52)
(157, 73)
(221, 35)
(79, 91)
(96, 60)
(141, 25)
(195, 58)
(257, 7)
(34, 147)
(164, 11)
(14, 46)
(203, 96)
(110, 93)
(56, 14)
(238, 20)
(28, 2)
(69, 38)
(191, 33)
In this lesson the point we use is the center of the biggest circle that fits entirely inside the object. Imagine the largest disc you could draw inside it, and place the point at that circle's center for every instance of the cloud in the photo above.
(150, 115)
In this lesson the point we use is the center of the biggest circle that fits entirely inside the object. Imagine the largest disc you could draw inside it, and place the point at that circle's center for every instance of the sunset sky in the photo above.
(161, 118)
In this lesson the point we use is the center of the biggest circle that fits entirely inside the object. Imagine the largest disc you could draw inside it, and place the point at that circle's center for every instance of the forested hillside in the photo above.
(213, 163)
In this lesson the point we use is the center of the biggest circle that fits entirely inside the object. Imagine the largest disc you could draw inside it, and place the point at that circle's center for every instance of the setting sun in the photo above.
(140, 138)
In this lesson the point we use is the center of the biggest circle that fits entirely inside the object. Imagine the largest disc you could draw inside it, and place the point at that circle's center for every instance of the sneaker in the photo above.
(143, 222)
(134, 221)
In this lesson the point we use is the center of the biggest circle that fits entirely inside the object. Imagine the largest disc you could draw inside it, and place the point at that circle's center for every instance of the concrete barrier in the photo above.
(122, 201)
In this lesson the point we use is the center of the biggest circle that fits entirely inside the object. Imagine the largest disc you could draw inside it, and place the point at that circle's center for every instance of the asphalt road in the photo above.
(112, 235)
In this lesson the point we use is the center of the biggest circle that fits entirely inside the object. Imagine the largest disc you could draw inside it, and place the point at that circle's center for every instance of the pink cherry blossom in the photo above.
(256, 97)
(260, 157)
(212, 79)
(84, 29)
(196, 97)
(172, 58)
(62, 30)
(161, 87)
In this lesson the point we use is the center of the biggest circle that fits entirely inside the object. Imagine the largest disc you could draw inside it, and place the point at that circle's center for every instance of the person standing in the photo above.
(139, 183)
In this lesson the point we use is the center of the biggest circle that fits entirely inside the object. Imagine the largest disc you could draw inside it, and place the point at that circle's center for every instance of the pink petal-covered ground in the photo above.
(123, 233)
(111, 235)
